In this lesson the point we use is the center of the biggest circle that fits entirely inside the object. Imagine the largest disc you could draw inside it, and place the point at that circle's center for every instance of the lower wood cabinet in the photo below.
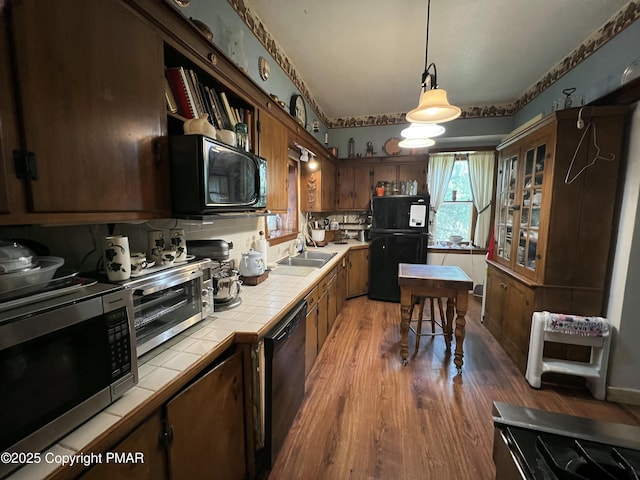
(509, 307)
(199, 433)
(146, 438)
(357, 272)
(206, 421)
(341, 284)
(311, 343)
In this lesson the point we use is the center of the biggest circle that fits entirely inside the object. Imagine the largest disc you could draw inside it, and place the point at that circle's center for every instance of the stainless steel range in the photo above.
(535, 444)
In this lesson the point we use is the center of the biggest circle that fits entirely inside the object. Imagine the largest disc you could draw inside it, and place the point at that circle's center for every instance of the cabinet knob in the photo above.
(213, 58)
(503, 285)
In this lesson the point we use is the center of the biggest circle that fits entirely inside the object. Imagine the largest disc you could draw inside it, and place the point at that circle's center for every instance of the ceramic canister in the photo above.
(117, 262)
(156, 245)
(179, 243)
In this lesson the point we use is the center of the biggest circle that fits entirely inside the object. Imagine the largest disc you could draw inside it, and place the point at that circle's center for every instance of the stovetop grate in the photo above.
(605, 463)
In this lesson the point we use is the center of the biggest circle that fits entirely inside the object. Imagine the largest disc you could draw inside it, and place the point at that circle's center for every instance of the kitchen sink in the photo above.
(316, 255)
(307, 259)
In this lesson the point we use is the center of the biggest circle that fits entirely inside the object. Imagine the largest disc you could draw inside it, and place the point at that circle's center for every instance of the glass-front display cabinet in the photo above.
(519, 214)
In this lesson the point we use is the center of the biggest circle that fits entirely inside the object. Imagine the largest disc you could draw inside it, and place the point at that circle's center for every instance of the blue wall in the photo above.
(596, 76)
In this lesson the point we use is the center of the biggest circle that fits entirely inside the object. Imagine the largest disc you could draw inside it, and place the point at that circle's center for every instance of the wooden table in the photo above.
(418, 280)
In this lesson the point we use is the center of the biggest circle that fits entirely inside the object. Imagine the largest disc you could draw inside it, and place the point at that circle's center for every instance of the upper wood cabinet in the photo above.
(354, 188)
(318, 185)
(89, 107)
(273, 142)
(357, 177)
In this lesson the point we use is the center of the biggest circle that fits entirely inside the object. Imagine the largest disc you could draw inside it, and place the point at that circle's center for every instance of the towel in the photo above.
(576, 325)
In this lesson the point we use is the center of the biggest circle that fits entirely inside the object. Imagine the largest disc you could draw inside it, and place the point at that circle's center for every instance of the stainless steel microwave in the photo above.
(62, 360)
(209, 177)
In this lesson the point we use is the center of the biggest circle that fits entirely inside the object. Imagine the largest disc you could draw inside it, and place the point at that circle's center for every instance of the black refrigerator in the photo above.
(399, 234)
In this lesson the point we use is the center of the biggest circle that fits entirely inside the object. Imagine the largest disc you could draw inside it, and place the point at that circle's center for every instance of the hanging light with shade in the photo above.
(420, 135)
(433, 106)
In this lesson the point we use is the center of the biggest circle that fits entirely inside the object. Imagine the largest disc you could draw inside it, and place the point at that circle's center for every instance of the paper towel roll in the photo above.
(262, 246)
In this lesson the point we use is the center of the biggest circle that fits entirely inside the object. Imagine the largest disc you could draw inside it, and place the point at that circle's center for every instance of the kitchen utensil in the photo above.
(15, 257)
(216, 249)
(43, 273)
(251, 264)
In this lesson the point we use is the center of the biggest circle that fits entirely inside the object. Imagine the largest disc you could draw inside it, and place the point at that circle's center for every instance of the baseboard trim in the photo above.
(623, 395)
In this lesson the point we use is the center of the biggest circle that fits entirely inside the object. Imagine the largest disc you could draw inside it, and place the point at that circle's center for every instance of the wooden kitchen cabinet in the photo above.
(311, 343)
(354, 188)
(146, 438)
(207, 423)
(341, 284)
(274, 147)
(89, 109)
(357, 272)
(555, 205)
(318, 185)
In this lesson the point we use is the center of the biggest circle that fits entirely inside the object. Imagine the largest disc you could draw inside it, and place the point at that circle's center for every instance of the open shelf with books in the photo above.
(191, 92)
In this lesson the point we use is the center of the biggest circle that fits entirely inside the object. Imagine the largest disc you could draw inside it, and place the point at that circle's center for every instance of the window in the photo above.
(284, 226)
(456, 213)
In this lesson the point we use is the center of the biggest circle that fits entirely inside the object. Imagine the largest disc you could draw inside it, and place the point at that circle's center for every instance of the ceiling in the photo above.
(366, 57)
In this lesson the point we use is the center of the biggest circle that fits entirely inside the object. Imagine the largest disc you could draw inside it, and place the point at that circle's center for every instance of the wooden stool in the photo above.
(442, 324)
(594, 372)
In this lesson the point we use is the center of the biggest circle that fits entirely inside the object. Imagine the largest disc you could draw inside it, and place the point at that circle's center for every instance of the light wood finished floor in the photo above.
(367, 417)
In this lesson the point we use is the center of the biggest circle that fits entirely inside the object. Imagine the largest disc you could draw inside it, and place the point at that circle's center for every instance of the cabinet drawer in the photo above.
(312, 299)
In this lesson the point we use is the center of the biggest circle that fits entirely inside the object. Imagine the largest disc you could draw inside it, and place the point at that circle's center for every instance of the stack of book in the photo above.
(189, 97)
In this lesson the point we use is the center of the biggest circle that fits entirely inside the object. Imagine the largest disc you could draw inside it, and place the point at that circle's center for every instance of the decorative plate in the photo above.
(298, 109)
(263, 68)
(391, 146)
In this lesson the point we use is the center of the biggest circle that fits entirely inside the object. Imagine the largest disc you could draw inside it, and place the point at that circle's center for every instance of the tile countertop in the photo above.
(262, 306)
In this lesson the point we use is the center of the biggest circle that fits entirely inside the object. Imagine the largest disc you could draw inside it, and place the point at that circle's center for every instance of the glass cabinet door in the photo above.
(529, 222)
(506, 202)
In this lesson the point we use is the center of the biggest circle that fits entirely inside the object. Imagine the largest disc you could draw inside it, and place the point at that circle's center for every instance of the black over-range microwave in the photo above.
(208, 177)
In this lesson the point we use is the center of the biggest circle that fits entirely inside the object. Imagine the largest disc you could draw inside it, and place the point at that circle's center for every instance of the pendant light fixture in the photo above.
(433, 106)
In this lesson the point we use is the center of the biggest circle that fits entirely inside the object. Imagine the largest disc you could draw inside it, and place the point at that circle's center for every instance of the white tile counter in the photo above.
(262, 306)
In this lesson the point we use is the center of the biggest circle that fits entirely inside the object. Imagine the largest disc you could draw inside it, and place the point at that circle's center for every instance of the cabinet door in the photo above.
(358, 272)
(323, 318)
(207, 419)
(414, 171)
(506, 209)
(516, 325)
(529, 241)
(145, 439)
(311, 343)
(332, 303)
(91, 106)
(341, 284)
(362, 188)
(273, 147)
(494, 304)
(345, 187)
(328, 190)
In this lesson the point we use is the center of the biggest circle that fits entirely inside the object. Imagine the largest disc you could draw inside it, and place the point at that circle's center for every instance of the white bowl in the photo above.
(33, 276)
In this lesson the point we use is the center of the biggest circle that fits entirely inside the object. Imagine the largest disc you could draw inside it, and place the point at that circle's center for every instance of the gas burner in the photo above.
(219, 306)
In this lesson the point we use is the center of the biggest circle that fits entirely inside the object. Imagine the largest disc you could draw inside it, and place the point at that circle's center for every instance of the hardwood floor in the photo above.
(367, 417)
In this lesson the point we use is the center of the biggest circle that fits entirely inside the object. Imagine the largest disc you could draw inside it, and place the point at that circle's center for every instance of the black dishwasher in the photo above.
(284, 348)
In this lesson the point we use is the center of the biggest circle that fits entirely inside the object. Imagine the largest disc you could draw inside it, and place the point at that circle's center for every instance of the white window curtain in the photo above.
(440, 170)
(481, 167)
